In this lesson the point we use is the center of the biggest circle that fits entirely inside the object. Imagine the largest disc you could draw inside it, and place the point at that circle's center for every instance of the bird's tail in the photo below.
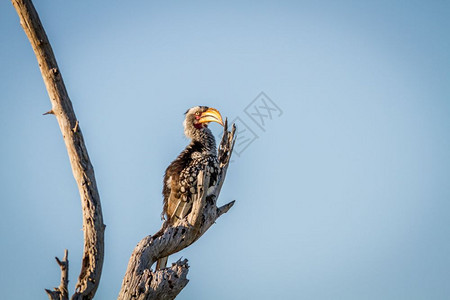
(161, 263)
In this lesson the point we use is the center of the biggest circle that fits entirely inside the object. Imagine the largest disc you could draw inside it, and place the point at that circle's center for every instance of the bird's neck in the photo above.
(206, 139)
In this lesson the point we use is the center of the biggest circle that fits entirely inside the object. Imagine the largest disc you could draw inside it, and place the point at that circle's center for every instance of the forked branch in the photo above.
(61, 292)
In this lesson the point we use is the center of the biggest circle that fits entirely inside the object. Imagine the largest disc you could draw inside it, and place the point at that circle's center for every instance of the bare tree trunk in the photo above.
(140, 282)
(83, 171)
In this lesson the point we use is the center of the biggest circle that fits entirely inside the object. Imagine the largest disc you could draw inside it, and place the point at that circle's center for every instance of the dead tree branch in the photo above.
(83, 171)
(61, 292)
(140, 282)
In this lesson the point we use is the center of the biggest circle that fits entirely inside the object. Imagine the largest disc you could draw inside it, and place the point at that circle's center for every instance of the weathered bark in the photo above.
(140, 282)
(83, 171)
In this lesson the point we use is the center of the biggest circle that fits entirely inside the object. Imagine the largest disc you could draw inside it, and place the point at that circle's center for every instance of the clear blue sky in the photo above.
(345, 195)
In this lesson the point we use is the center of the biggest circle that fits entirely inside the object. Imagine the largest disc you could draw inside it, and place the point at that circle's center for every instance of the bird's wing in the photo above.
(179, 204)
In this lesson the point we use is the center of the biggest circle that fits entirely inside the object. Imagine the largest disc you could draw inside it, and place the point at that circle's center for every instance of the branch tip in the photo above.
(53, 295)
(58, 261)
(225, 208)
(76, 127)
(50, 112)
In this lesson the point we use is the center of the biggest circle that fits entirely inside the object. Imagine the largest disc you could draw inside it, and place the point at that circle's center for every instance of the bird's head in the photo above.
(197, 119)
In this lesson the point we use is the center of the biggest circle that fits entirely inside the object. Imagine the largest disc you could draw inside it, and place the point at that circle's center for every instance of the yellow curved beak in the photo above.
(211, 115)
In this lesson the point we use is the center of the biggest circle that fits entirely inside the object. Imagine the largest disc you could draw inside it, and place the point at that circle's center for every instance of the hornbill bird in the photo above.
(180, 178)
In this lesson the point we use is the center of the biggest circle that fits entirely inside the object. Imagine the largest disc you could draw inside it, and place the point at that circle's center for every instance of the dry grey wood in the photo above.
(82, 169)
(61, 292)
(140, 282)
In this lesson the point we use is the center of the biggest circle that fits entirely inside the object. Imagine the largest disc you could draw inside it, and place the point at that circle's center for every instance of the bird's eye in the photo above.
(197, 113)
